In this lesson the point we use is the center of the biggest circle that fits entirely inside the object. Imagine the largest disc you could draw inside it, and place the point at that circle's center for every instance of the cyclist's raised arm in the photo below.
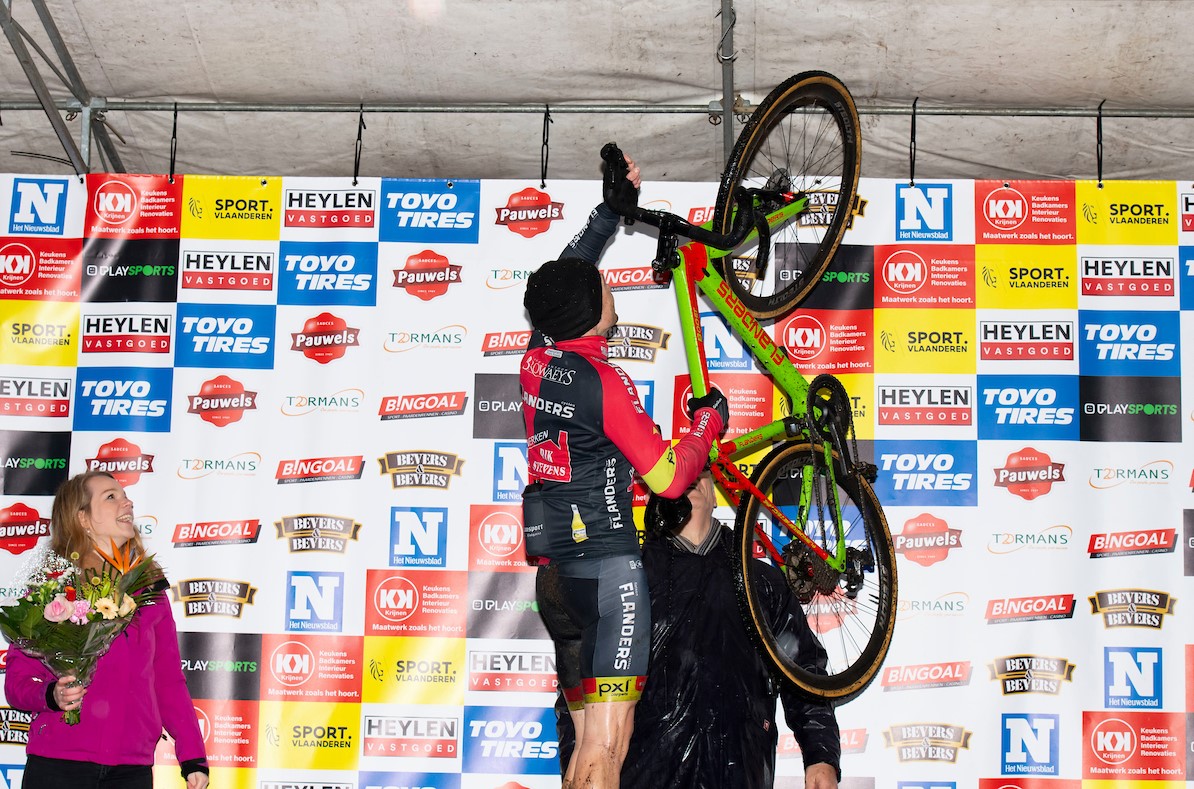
(599, 227)
(666, 469)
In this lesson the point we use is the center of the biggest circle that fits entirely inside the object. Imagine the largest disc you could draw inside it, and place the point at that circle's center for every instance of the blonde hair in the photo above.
(68, 538)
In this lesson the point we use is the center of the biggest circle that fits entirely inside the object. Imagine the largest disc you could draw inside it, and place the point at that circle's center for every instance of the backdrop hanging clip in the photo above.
(912, 146)
(356, 158)
(1099, 142)
(174, 142)
(544, 150)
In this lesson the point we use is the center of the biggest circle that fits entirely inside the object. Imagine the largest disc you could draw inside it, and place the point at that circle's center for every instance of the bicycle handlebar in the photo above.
(621, 196)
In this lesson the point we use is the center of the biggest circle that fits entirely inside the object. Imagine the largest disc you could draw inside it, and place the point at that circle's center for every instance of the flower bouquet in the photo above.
(68, 617)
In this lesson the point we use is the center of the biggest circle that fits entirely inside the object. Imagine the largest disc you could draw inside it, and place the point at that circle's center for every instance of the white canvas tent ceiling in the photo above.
(1002, 89)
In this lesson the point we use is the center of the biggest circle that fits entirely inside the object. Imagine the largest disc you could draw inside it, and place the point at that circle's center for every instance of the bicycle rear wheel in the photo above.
(852, 613)
(803, 138)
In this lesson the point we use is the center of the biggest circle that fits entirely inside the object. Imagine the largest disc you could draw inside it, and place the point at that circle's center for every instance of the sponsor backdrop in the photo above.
(309, 388)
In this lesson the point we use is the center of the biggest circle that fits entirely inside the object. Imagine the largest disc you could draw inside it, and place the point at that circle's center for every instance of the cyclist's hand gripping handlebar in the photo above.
(618, 192)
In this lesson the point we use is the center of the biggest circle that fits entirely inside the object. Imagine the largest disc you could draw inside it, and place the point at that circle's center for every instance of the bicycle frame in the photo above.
(694, 271)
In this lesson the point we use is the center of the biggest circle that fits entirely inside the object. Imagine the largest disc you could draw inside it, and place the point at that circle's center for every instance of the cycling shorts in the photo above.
(598, 614)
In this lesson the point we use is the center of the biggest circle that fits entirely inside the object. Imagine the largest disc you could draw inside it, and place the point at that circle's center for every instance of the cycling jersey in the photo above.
(587, 434)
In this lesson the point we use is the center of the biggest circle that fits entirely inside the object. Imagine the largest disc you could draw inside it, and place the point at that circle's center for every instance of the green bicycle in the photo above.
(785, 201)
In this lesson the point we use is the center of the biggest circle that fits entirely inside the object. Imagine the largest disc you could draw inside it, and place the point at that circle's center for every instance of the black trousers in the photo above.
(43, 773)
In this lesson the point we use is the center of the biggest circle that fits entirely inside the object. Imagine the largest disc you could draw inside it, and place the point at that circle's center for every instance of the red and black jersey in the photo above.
(587, 435)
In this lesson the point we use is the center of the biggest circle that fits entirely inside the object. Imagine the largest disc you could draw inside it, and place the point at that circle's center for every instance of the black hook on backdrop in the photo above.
(356, 159)
(1099, 142)
(912, 146)
(544, 150)
(174, 142)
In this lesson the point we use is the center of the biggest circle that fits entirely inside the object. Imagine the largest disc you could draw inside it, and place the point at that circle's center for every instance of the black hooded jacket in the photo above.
(706, 718)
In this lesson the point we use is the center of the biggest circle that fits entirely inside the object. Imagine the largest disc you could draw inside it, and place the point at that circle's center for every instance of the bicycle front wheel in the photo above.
(852, 613)
(804, 138)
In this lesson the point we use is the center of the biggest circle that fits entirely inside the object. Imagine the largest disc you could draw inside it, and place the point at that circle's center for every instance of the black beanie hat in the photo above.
(563, 298)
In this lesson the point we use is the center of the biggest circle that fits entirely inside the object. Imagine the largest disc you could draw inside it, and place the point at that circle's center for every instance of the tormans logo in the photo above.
(1132, 607)
(126, 334)
(337, 208)
(504, 278)
(320, 469)
(1156, 472)
(192, 535)
(1026, 340)
(403, 340)
(420, 468)
(421, 405)
(949, 604)
(637, 342)
(635, 278)
(1031, 674)
(512, 671)
(14, 726)
(213, 596)
(427, 737)
(927, 742)
(317, 533)
(1029, 474)
(529, 212)
(927, 540)
(252, 271)
(21, 527)
(221, 401)
(1132, 543)
(505, 343)
(1030, 609)
(426, 275)
(1129, 276)
(122, 459)
(927, 675)
(345, 401)
(242, 464)
(325, 338)
(21, 396)
(1050, 537)
(926, 405)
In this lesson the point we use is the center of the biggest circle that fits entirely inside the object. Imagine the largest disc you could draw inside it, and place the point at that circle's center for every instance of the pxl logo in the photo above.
(314, 601)
(722, 348)
(1030, 744)
(418, 536)
(1132, 677)
(509, 470)
(924, 212)
(38, 206)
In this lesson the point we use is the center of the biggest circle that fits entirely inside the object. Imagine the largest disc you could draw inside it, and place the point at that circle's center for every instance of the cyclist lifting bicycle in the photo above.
(587, 436)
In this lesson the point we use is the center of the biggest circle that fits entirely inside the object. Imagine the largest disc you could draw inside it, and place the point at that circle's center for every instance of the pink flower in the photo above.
(82, 609)
(59, 609)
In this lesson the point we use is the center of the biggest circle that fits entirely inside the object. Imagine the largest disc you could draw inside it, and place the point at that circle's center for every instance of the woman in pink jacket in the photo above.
(138, 688)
